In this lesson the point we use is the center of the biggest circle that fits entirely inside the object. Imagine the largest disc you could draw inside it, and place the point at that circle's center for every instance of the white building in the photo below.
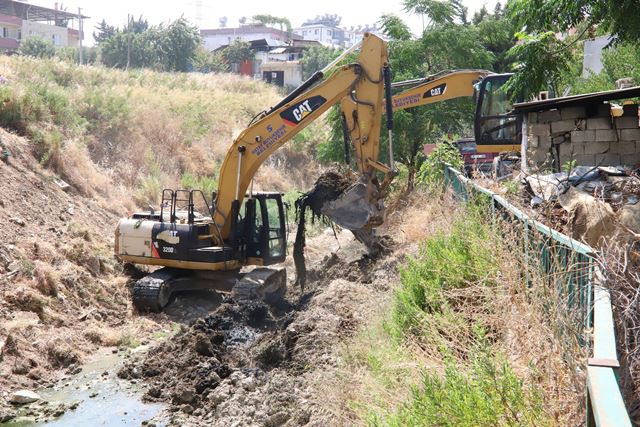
(213, 39)
(340, 38)
(19, 21)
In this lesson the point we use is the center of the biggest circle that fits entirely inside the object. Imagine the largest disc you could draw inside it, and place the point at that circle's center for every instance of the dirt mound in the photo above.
(59, 288)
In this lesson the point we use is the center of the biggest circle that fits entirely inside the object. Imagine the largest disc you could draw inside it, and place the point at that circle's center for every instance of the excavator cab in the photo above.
(261, 231)
(496, 126)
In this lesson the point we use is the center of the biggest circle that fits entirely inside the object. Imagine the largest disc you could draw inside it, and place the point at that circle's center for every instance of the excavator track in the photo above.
(152, 292)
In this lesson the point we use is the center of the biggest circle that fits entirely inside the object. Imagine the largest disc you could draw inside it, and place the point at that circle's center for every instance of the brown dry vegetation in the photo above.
(120, 137)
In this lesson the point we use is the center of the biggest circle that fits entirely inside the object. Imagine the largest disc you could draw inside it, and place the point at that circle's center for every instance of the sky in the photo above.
(206, 13)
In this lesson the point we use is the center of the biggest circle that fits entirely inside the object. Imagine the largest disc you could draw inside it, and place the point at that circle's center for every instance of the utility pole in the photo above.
(81, 34)
(128, 41)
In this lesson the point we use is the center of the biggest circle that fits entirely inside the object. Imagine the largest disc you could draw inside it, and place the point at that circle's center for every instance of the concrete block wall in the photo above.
(587, 135)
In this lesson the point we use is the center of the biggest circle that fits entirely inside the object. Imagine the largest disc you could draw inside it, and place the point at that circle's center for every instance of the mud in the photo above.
(329, 186)
(253, 363)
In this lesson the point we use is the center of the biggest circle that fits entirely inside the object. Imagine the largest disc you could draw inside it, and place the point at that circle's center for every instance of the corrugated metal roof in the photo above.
(569, 101)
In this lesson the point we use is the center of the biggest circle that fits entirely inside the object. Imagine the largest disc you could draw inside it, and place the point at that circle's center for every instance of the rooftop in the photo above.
(583, 99)
(31, 12)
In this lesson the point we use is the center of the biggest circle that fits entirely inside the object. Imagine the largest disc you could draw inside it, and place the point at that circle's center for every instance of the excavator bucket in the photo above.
(352, 209)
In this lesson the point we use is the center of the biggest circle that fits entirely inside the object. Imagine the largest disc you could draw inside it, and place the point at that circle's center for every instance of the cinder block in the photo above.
(585, 159)
(544, 142)
(625, 147)
(599, 123)
(596, 147)
(532, 118)
(563, 126)
(534, 141)
(540, 129)
(570, 150)
(630, 134)
(606, 135)
(572, 113)
(578, 148)
(608, 159)
(549, 116)
(583, 135)
(626, 122)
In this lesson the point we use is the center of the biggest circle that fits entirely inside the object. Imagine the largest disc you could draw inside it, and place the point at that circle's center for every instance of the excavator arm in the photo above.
(437, 88)
(361, 82)
(432, 89)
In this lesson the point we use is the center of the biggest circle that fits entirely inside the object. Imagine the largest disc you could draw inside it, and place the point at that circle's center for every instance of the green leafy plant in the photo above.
(37, 47)
(431, 173)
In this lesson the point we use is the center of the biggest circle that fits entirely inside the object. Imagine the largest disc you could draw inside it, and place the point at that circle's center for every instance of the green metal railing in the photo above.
(570, 266)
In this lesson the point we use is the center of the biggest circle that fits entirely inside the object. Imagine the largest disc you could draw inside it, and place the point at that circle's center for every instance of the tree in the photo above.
(103, 32)
(327, 19)
(316, 58)
(177, 45)
(540, 21)
(394, 28)
(237, 52)
(282, 22)
(167, 48)
(37, 47)
(209, 62)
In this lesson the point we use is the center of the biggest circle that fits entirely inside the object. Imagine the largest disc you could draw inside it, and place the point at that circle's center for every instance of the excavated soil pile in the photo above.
(256, 364)
(329, 186)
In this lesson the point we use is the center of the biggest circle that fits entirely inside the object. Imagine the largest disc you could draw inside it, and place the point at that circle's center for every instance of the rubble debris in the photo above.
(591, 219)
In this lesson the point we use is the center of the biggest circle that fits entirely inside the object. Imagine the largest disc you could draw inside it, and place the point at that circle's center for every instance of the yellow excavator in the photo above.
(246, 228)
(207, 248)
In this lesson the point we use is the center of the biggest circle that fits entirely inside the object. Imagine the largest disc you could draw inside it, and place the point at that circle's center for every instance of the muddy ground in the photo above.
(257, 363)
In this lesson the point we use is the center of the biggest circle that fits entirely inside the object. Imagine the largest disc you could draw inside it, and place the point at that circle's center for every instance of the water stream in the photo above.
(103, 399)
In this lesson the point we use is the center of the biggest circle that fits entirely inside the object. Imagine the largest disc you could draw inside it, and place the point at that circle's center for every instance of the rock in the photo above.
(59, 411)
(220, 394)
(277, 419)
(187, 409)
(93, 394)
(249, 383)
(186, 396)
(590, 218)
(93, 265)
(22, 397)
(203, 345)
(18, 221)
(6, 415)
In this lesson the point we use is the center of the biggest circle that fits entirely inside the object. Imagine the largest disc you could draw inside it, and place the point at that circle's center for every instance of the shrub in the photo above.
(431, 172)
(445, 262)
(488, 394)
(209, 62)
(37, 47)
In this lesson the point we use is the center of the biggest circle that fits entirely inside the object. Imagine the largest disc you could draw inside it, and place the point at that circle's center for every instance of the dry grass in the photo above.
(120, 137)
(622, 276)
